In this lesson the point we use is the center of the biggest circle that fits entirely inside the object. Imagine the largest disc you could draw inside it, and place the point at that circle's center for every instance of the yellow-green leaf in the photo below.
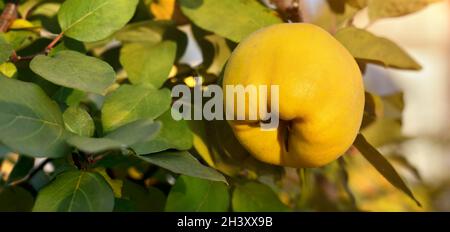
(233, 19)
(367, 47)
(8, 69)
(394, 8)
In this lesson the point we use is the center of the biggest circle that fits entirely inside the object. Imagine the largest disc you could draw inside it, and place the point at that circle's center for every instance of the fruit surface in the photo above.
(321, 94)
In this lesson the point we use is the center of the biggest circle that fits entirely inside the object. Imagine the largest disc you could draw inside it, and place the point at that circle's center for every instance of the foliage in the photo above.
(86, 85)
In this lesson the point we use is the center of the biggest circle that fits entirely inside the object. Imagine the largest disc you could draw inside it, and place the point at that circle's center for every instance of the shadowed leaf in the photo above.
(120, 138)
(76, 191)
(75, 70)
(30, 122)
(190, 194)
(183, 163)
(256, 197)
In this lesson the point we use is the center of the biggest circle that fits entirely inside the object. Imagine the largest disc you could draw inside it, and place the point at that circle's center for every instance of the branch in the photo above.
(8, 15)
(31, 174)
(289, 10)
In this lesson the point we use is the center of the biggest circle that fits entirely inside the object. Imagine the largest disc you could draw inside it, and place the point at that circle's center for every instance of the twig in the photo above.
(32, 173)
(8, 15)
(15, 58)
(53, 43)
(289, 10)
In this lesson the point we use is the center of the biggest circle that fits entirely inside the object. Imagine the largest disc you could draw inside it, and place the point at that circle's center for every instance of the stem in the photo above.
(32, 173)
(53, 43)
(345, 178)
(289, 10)
(8, 15)
(15, 58)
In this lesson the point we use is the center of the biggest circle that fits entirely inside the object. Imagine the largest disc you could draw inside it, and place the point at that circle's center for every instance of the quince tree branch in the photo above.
(8, 15)
(289, 10)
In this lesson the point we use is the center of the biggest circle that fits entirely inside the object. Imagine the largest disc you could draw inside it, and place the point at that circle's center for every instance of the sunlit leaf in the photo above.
(78, 121)
(233, 19)
(133, 102)
(384, 131)
(173, 135)
(148, 63)
(94, 20)
(394, 8)
(8, 69)
(365, 46)
(383, 166)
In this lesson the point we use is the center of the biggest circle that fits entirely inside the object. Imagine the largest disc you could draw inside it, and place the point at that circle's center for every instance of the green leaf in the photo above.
(183, 163)
(133, 102)
(148, 63)
(76, 191)
(367, 47)
(70, 97)
(4, 151)
(78, 121)
(141, 199)
(190, 194)
(75, 70)
(256, 197)
(5, 50)
(379, 162)
(94, 20)
(27, 6)
(233, 19)
(394, 8)
(20, 39)
(21, 168)
(149, 31)
(120, 138)
(68, 44)
(30, 122)
(173, 135)
(15, 199)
